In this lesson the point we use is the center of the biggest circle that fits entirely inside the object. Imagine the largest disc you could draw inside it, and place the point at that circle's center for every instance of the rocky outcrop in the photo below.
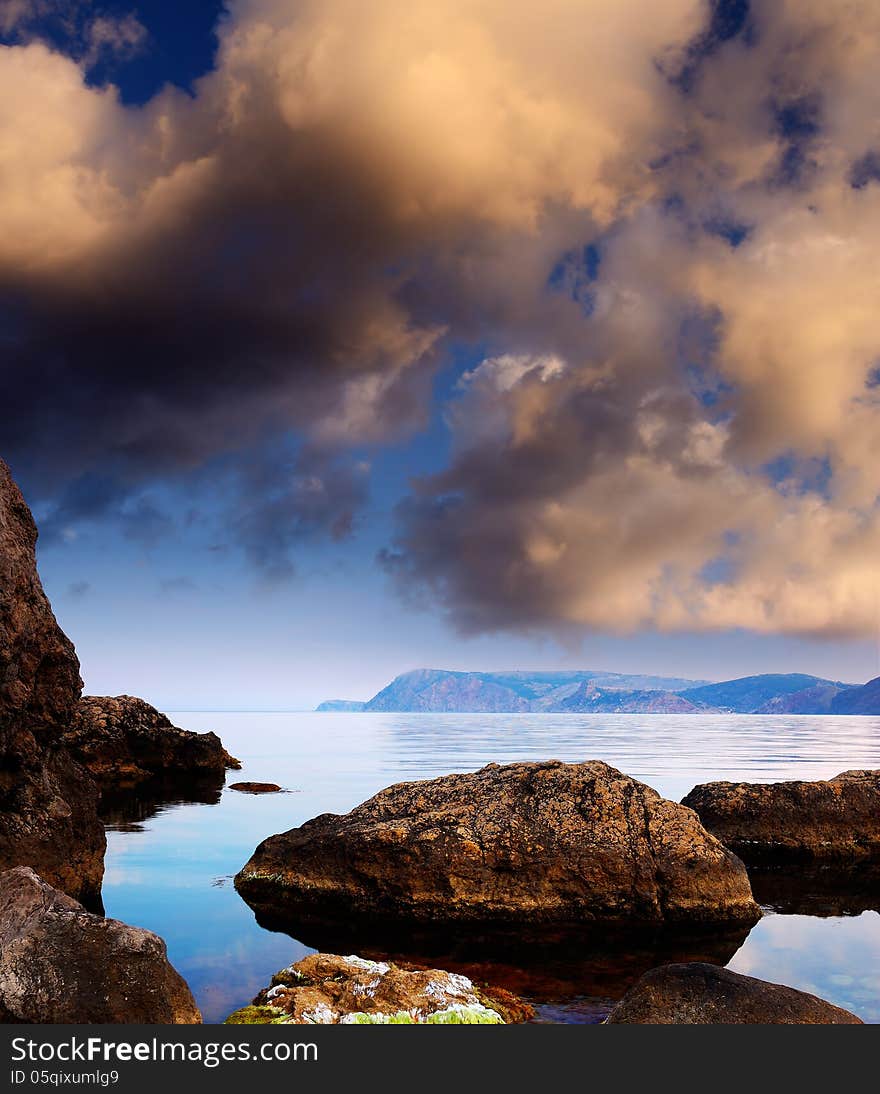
(48, 814)
(60, 964)
(526, 843)
(123, 739)
(794, 821)
(699, 995)
(324, 989)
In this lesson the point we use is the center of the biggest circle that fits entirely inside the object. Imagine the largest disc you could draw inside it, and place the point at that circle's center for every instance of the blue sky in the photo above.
(313, 383)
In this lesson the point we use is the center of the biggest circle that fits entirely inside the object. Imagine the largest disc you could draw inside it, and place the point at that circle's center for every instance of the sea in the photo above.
(171, 860)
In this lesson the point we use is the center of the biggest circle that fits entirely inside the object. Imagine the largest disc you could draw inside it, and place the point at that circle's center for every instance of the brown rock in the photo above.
(60, 964)
(325, 989)
(524, 843)
(48, 816)
(256, 788)
(124, 739)
(699, 995)
(794, 821)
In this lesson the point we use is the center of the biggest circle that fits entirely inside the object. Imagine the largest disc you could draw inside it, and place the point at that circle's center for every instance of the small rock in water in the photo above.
(325, 989)
(256, 788)
(697, 994)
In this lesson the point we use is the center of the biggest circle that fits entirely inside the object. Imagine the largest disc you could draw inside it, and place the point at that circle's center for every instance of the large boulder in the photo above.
(698, 995)
(526, 843)
(768, 823)
(48, 814)
(123, 739)
(61, 964)
(325, 989)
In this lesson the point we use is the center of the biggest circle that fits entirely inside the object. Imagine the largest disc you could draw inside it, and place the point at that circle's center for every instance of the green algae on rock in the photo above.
(326, 989)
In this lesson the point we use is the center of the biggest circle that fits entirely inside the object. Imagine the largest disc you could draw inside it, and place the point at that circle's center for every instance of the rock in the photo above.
(527, 843)
(767, 823)
(124, 739)
(61, 964)
(256, 788)
(48, 804)
(699, 995)
(325, 989)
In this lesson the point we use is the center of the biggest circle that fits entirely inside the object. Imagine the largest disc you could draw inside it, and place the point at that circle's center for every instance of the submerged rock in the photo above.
(527, 843)
(124, 739)
(794, 821)
(325, 989)
(698, 994)
(256, 788)
(61, 964)
(48, 804)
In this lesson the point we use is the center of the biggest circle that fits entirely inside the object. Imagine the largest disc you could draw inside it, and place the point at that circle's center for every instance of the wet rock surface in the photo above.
(48, 804)
(326, 989)
(533, 843)
(837, 819)
(61, 964)
(122, 739)
(256, 788)
(700, 994)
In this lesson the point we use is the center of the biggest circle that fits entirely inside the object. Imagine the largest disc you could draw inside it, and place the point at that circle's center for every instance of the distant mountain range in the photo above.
(439, 691)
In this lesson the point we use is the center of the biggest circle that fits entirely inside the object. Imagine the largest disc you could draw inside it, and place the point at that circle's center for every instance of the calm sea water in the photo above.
(171, 868)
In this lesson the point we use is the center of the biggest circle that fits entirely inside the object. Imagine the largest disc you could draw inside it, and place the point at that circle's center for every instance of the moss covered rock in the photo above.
(325, 989)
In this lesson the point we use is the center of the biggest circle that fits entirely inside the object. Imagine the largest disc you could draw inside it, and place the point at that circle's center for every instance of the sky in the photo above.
(342, 339)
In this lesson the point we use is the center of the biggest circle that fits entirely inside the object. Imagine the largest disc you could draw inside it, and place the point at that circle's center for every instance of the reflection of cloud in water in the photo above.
(228, 979)
(837, 959)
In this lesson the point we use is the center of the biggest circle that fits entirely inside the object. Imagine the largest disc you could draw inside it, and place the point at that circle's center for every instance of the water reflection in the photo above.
(164, 858)
(573, 974)
(125, 808)
(818, 890)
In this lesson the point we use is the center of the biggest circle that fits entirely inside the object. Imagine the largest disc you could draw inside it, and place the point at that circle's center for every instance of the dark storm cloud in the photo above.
(660, 231)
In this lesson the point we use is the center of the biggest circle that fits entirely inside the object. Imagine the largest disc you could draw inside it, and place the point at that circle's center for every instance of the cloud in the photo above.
(88, 34)
(661, 230)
